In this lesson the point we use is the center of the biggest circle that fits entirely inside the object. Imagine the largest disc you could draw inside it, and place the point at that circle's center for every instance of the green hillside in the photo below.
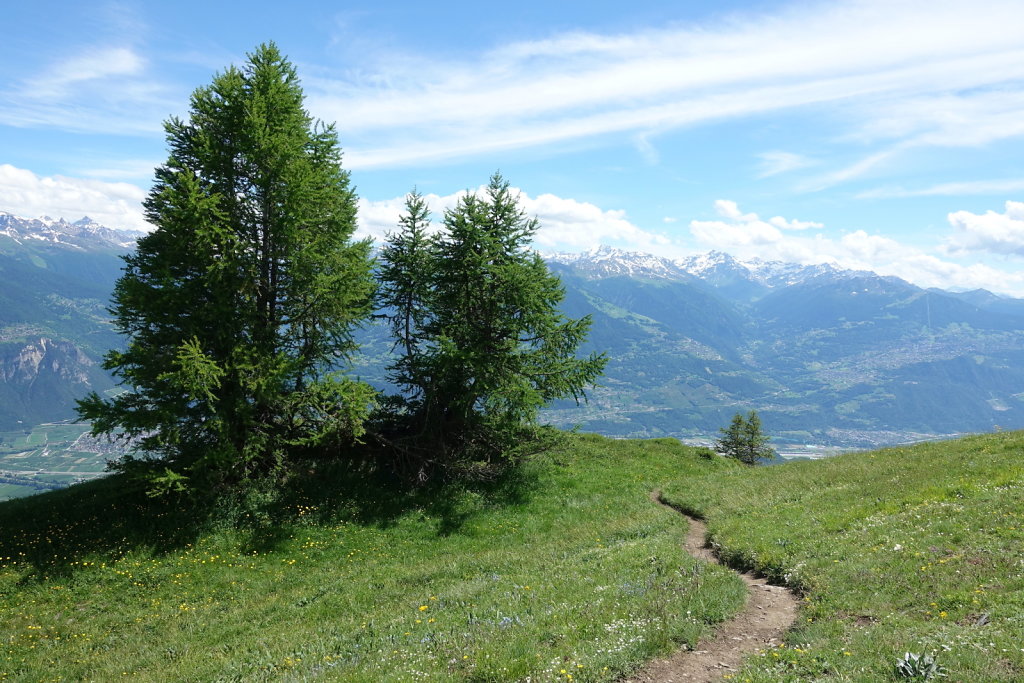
(908, 549)
(568, 567)
(566, 570)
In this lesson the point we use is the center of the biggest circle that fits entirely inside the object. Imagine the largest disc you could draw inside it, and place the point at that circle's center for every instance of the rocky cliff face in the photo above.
(60, 360)
(40, 379)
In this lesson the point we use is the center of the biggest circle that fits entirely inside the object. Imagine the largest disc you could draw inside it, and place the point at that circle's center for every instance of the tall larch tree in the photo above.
(239, 307)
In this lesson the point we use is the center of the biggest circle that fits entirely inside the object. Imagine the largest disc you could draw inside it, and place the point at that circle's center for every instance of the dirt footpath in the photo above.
(769, 613)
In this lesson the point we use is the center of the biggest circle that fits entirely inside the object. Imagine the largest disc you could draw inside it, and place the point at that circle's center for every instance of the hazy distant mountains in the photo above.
(55, 283)
(826, 355)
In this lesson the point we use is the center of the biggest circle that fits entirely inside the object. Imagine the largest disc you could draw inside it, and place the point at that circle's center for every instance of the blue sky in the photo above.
(885, 135)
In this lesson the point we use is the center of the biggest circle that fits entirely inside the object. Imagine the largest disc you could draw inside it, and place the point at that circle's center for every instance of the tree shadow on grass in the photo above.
(109, 517)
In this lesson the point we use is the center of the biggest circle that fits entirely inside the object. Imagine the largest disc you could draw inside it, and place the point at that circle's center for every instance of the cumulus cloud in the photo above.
(570, 223)
(745, 235)
(870, 248)
(117, 205)
(998, 233)
(377, 218)
(564, 223)
(783, 224)
(744, 230)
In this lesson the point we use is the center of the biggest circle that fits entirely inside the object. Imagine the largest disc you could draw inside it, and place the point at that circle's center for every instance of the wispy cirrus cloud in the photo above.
(98, 89)
(889, 76)
(98, 64)
(968, 187)
(874, 63)
(776, 162)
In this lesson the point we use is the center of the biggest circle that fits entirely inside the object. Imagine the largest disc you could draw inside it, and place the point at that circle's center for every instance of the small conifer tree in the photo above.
(744, 440)
(481, 345)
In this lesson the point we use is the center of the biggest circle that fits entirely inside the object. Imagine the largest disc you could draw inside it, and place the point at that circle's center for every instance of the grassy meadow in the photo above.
(917, 549)
(565, 572)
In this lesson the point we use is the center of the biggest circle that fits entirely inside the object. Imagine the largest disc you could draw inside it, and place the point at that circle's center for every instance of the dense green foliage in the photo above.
(914, 549)
(565, 566)
(240, 305)
(480, 341)
(744, 440)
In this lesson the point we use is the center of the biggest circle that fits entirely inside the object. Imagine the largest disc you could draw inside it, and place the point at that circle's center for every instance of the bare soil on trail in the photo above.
(770, 611)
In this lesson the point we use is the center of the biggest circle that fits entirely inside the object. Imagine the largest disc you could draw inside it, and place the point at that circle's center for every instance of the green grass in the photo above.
(565, 572)
(915, 549)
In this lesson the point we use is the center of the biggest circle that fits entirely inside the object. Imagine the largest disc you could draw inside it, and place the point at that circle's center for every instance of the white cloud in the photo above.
(947, 119)
(774, 163)
(105, 89)
(849, 172)
(998, 233)
(896, 73)
(647, 150)
(783, 224)
(744, 230)
(867, 248)
(573, 224)
(117, 205)
(378, 218)
(746, 236)
(564, 223)
(970, 187)
(858, 57)
(120, 169)
(98, 63)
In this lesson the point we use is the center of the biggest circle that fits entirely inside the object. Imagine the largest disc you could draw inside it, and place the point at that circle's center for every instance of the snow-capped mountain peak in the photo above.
(83, 234)
(748, 278)
(605, 261)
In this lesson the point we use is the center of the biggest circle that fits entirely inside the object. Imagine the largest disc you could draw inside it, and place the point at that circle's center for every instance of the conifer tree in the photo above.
(489, 347)
(406, 277)
(239, 307)
(744, 440)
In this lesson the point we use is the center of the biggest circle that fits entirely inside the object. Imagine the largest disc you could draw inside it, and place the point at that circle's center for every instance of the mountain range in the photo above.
(826, 355)
(56, 279)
